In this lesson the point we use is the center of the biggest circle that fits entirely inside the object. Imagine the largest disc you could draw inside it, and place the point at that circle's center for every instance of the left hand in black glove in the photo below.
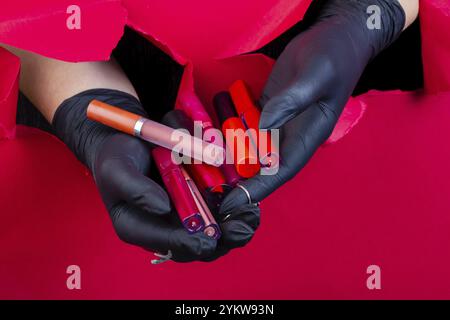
(312, 81)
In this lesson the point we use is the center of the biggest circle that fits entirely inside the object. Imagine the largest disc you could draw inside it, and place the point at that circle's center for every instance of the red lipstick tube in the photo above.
(243, 151)
(250, 114)
(178, 190)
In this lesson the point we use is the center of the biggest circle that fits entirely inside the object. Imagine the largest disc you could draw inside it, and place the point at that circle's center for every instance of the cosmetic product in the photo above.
(211, 228)
(238, 141)
(208, 179)
(178, 190)
(156, 133)
(250, 114)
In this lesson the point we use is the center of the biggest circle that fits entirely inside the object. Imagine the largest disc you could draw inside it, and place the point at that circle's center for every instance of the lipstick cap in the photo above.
(224, 107)
(112, 116)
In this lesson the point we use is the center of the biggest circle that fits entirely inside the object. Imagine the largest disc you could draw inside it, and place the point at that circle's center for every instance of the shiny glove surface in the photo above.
(312, 81)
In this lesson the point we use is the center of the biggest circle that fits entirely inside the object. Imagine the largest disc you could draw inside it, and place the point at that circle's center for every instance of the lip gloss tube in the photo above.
(211, 228)
(178, 190)
(250, 115)
(228, 169)
(209, 179)
(246, 162)
(155, 132)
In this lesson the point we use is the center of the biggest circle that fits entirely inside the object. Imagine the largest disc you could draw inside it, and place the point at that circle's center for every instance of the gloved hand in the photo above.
(312, 81)
(139, 208)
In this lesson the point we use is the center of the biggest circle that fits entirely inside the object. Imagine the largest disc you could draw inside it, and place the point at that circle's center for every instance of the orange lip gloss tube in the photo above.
(155, 132)
(178, 189)
(244, 154)
(250, 114)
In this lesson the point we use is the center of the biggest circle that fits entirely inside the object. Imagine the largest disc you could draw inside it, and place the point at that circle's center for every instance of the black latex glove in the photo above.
(238, 225)
(312, 81)
(139, 207)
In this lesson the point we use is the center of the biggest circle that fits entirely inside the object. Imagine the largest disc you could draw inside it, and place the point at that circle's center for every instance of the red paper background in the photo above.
(377, 196)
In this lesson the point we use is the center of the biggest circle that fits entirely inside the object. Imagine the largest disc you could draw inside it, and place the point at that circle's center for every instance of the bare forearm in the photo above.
(411, 8)
(48, 82)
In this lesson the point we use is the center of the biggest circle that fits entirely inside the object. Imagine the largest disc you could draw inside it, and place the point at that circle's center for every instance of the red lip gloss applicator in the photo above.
(178, 190)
